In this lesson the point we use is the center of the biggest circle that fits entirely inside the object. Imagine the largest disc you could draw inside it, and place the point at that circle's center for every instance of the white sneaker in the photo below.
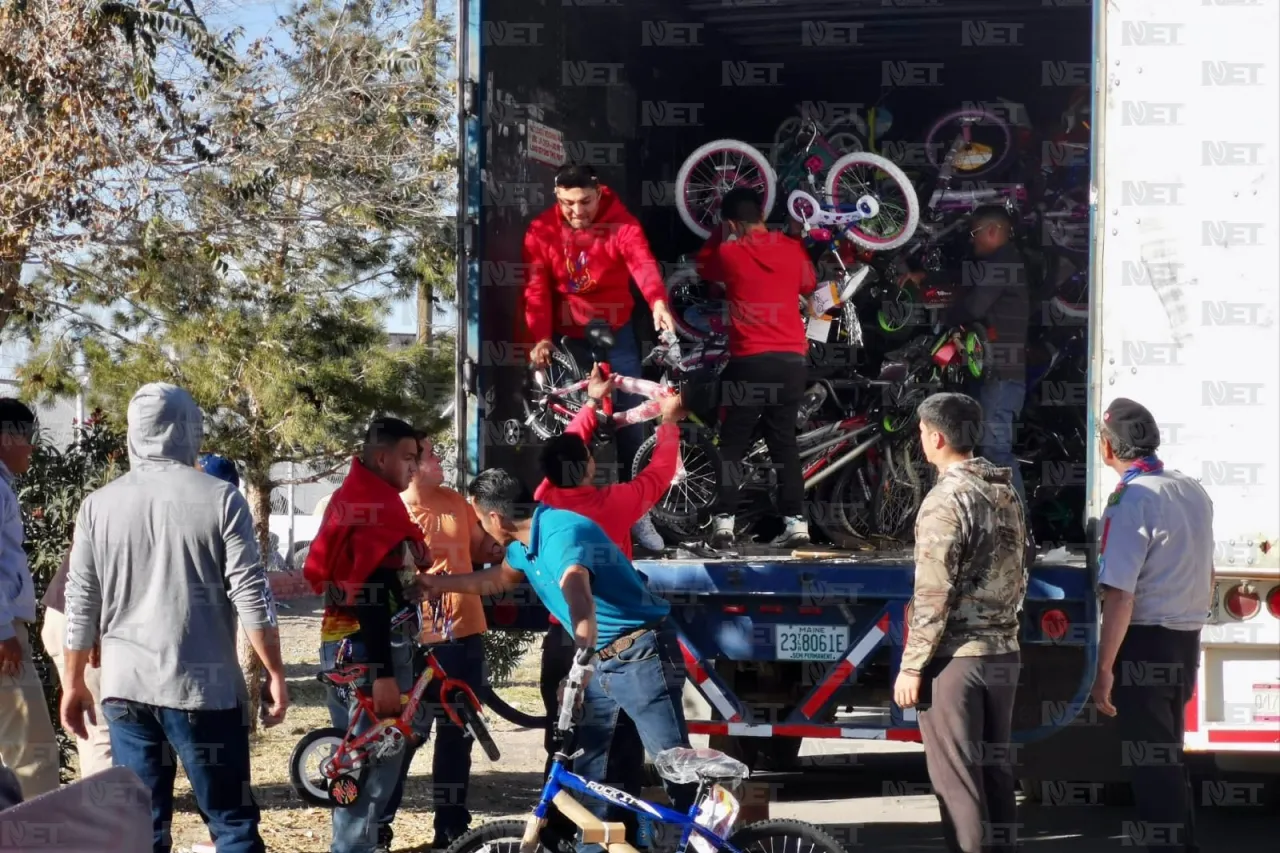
(647, 535)
(722, 531)
(795, 534)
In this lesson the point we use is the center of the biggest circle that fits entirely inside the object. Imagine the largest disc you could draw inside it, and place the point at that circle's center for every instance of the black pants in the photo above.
(966, 732)
(765, 389)
(1155, 675)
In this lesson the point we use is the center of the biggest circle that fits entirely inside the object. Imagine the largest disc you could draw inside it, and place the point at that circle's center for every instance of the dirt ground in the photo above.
(505, 788)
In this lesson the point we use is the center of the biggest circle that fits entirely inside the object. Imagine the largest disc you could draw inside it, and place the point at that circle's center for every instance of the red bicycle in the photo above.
(328, 764)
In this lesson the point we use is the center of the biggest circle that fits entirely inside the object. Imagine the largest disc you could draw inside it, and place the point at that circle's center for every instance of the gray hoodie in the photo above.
(163, 561)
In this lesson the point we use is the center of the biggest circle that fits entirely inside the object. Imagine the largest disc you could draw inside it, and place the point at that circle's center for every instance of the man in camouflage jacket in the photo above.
(962, 629)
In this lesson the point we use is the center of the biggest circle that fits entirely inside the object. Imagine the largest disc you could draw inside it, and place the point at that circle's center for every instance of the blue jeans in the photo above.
(451, 760)
(355, 830)
(624, 359)
(646, 682)
(214, 749)
(1002, 401)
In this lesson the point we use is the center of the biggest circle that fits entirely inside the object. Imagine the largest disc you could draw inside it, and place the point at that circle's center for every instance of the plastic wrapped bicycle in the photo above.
(708, 826)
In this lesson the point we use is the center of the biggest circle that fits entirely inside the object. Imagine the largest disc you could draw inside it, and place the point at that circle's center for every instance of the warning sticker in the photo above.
(545, 144)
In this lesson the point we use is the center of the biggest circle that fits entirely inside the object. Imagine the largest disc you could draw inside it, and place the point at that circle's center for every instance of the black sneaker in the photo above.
(385, 836)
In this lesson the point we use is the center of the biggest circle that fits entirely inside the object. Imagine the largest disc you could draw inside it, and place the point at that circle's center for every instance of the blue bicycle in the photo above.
(706, 828)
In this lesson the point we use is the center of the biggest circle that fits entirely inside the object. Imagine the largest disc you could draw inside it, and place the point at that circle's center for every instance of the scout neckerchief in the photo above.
(1145, 465)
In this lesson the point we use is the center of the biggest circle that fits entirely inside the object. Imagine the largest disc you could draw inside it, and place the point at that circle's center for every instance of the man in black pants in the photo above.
(1155, 570)
(764, 275)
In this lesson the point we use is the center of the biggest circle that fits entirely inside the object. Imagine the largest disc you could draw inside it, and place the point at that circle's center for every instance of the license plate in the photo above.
(1266, 703)
(811, 642)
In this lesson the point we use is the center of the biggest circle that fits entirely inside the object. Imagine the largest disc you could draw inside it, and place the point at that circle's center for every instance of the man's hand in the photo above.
(662, 319)
(912, 277)
(577, 702)
(540, 355)
(672, 409)
(1101, 693)
(599, 386)
(386, 698)
(275, 700)
(95, 656)
(11, 657)
(428, 586)
(906, 690)
(77, 702)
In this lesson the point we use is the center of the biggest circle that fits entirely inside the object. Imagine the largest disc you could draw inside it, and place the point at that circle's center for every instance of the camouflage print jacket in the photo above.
(971, 571)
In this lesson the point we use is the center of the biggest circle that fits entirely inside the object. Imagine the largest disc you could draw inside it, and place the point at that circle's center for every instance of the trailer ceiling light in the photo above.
(1242, 601)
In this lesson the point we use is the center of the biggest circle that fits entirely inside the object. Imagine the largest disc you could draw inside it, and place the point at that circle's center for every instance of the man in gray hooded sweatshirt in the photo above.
(163, 561)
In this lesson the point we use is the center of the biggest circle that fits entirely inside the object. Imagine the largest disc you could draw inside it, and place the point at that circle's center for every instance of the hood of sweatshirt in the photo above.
(165, 426)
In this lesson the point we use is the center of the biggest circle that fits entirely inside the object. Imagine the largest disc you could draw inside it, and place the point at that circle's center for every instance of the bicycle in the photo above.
(336, 782)
(708, 826)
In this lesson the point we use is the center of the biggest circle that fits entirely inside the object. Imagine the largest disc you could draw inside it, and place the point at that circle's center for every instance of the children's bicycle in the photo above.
(706, 828)
(328, 765)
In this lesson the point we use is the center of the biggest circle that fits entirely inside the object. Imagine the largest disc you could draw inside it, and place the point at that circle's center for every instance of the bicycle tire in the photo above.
(473, 723)
(297, 758)
(989, 168)
(478, 839)
(890, 168)
(825, 515)
(852, 510)
(544, 424)
(821, 841)
(702, 152)
(491, 700)
(669, 511)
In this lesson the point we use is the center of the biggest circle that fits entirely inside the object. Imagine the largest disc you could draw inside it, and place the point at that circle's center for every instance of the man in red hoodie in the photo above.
(581, 256)
(764, 274)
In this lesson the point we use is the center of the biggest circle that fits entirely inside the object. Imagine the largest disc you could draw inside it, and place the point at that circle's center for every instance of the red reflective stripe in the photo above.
(806, 731)
(691, 663)
(883, 624)
(697, 727)
(905, 735)
(1244, 736)
(834, 681)
(1191, 713)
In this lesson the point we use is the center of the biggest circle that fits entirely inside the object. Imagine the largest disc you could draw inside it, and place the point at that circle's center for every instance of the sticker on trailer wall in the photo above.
(544, 144)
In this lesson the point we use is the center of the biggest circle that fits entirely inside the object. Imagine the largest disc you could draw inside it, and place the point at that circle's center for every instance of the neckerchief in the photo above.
(1145, 465)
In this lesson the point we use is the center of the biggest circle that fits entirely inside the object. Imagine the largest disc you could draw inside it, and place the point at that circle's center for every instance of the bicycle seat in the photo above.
(682, 765)
(343, 675)
(600, 339)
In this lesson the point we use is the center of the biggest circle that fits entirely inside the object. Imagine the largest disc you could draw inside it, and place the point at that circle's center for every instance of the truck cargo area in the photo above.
(634, 87)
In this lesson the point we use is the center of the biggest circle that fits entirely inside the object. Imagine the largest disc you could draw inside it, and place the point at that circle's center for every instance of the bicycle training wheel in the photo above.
(562, 371)
(784, 836)
(710, 172)
(986, 149)
(856, 175)
(309, 765)
(499, 836)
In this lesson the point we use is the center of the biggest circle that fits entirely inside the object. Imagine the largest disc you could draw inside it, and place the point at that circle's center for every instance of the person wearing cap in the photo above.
(1155, 573)
(581, 255)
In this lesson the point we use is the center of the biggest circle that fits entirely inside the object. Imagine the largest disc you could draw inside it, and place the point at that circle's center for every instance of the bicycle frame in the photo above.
(650, 410)
(561, 781)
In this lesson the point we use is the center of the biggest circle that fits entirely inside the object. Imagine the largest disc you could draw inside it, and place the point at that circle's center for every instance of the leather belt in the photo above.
(626, 641)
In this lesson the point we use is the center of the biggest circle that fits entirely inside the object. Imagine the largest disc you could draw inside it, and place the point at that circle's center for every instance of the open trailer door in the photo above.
(467, 411)
(1187, 302)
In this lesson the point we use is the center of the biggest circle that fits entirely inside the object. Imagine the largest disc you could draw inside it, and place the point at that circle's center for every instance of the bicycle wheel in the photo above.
(827, 515)
(978, 157)
(710, 172)
(562, 371)
(897, 499)
(784, 836)
(856, 175)
(696, 484)
(499, 836)
(319, 747)
(853, 500)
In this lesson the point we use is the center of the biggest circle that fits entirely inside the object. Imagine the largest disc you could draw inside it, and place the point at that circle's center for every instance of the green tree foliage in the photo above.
(50, 494)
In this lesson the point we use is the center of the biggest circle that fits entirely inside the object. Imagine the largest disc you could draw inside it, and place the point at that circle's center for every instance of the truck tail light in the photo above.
(1242, 602)
(1054, 624)
(1273, 602)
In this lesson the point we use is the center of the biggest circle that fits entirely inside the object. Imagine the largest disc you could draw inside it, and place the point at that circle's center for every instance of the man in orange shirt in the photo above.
(457, 541)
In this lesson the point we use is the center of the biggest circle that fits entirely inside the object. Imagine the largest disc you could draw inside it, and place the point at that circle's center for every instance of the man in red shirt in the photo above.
(581, 256)
(764, 274)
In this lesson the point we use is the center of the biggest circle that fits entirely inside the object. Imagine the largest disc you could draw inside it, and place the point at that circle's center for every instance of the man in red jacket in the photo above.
(764, 274)
(581, 256)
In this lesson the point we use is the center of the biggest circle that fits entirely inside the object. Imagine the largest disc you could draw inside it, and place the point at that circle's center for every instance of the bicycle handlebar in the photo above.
(574, 684)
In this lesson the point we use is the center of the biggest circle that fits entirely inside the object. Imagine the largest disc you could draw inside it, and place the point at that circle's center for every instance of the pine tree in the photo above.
(261, 281)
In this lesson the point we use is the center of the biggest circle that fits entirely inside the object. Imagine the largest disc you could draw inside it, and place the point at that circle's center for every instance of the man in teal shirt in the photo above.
(587, 583)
